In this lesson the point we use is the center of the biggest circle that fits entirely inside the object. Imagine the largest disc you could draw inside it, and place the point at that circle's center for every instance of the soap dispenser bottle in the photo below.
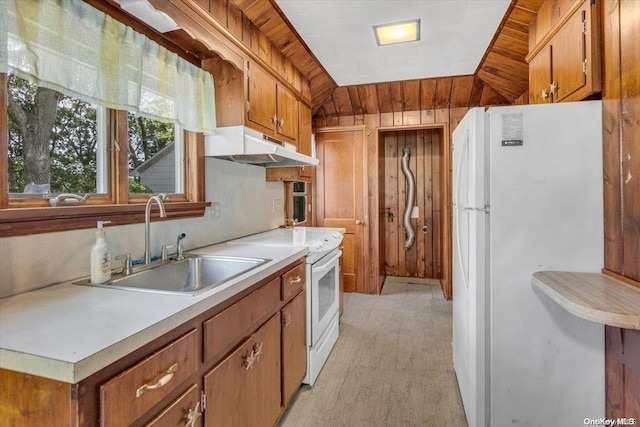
(100, 257)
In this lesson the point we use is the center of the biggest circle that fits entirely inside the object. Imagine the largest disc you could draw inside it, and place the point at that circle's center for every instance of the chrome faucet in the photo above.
(159, 199)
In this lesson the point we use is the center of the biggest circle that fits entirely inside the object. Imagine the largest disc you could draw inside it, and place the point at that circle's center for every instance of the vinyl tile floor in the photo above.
(392, 365)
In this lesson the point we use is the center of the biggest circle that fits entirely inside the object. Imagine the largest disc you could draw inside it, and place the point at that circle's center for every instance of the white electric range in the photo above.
(323, 285)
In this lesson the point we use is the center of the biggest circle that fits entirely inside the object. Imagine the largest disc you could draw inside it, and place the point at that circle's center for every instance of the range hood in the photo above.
(245, 145)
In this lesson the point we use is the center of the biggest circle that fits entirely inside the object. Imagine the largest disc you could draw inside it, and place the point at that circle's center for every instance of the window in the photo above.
(57, 143)
(92, 107)
(155, 156)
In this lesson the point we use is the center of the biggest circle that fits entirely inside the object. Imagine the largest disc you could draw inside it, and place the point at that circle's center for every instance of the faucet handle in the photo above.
(127, 268)
(164, 255)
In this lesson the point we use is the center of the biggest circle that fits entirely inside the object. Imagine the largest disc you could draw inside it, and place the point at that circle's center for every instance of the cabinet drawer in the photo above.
(225, 330)
(293, 281)
(131, 394)
(182, 411)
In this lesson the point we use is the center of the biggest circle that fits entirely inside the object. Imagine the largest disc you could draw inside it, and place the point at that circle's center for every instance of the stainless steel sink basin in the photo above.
(190, 276)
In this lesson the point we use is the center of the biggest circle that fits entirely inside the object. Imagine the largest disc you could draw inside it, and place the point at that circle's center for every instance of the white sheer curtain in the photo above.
(69, 46)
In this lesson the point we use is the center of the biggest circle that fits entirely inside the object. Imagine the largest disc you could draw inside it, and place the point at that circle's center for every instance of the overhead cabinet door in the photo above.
(272, 108)
(569, 56)
(262, 99)
(566, 65)
(287, 114)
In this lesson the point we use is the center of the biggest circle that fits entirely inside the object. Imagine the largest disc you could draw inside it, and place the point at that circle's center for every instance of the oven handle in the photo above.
(326, 265)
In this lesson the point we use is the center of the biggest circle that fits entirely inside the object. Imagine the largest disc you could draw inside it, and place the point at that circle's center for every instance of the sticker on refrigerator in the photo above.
(512, 130)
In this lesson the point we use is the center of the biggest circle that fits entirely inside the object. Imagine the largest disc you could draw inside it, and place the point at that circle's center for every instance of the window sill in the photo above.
(25, 221)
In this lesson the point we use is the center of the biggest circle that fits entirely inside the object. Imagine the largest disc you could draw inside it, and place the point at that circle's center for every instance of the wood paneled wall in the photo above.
(621, 106)
(278, 36)
(409, 97)
(424, 258)
(444, 118)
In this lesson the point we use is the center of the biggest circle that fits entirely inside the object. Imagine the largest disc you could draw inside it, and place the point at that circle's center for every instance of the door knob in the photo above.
(358, 222)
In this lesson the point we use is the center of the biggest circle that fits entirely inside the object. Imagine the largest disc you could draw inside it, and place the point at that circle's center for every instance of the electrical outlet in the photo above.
(278, 205)
(215, 210)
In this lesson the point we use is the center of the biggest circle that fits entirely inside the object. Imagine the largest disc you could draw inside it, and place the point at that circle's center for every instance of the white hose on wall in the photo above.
(411, 198)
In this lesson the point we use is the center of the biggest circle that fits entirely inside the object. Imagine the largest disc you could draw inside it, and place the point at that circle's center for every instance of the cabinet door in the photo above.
(569, 49)
(262, 99)
(294, 346)
(287, 115)
(540, 77)
(183, 411)
(244, 389)
(304, 130)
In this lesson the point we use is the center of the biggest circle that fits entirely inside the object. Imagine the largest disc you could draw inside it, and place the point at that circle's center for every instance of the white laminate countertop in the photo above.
(67, 332)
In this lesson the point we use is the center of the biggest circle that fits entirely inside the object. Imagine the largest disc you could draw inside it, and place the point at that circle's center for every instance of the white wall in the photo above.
(246, 200)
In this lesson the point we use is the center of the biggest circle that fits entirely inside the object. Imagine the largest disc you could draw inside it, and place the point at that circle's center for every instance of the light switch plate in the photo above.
(278, 205)
(215, 210)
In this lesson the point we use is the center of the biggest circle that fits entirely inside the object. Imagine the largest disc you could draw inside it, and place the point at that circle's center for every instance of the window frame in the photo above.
(33, 216)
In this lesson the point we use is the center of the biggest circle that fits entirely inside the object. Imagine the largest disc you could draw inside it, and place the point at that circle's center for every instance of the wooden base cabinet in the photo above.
(294, 346)
(238, 364)
(244, 390)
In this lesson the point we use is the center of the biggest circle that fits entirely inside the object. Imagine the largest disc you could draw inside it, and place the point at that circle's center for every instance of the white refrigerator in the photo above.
(527, 183)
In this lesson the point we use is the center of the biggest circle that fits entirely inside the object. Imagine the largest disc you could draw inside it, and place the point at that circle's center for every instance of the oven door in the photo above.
(325, 288)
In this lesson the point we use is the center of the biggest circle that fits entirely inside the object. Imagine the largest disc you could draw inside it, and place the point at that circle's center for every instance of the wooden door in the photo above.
(569, 52)
(294, 346)
(540, 77)
(244, 389)
(262, 99)
(287, 113)
(424, 258)
(340, 184)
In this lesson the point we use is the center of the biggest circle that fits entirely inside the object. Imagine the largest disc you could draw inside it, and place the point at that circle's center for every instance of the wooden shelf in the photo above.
(592, 296)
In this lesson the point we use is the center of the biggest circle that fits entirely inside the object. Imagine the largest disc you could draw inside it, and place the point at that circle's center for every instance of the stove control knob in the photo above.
(317, 245)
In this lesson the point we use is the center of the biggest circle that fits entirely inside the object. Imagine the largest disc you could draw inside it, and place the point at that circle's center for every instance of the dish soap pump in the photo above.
(100, 257)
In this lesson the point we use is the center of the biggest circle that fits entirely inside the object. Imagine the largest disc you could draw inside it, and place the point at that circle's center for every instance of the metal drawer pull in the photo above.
(295, 280)
(280, 122)
(193, 415)
(162, 381)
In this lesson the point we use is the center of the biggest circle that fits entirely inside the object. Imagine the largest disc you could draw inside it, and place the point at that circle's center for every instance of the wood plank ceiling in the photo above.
(501, 78)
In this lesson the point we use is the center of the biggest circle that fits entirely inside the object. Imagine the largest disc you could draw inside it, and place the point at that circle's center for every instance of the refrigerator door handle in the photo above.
(485, 209)
(456, 185)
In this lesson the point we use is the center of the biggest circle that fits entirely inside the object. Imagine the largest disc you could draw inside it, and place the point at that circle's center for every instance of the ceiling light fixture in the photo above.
(399, 32)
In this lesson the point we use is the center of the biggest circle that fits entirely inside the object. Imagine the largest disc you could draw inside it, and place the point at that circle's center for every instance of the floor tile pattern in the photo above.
(392, 365)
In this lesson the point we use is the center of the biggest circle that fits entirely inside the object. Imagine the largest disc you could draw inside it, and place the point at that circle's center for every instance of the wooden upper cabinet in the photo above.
(287, 113)
(262, 99)
(565, 63)
(272, 108)
(253, 97)
(305, 129)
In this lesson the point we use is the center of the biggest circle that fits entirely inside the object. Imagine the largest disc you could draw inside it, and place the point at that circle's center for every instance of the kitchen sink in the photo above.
(189, 276)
